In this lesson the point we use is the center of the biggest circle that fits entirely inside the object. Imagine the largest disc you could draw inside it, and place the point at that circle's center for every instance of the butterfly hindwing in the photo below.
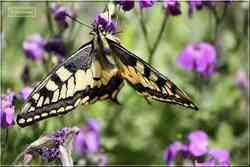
(147, 80)
(107, 82)
(67, 85)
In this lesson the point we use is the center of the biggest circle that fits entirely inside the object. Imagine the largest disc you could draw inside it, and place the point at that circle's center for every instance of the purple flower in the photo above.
(171, 151)
(172, 7)
(7, 110)
(51, 152)
(25, 92)
(146, 3)
(57, 46)
(199, 56)
(241, 80)
(196, 151)
(87, 139)
(198, 143)
(33, 47)
(60, 13)
(92, 125)
(103, 21)
(220, 155)
(126, 4)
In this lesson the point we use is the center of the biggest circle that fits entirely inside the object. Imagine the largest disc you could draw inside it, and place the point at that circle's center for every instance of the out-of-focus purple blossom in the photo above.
(57, 46)
(33, 47)
(87, 139)
(199, 56)
(52, 152)
(197, 150)
(198, 142)
(102, 160)
(172, 7)
(171, 151)
(146, 3)
(60, 14)
(25, 92)
(242, 80)
(220, 155)
(107, 24)
(92, 125)
(126, 4)
(7, 110)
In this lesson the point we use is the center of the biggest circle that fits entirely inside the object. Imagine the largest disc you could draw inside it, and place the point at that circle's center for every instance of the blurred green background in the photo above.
(136, 132)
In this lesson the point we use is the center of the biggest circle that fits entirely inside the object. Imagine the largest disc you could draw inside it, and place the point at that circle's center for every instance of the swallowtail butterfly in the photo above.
(97, 71)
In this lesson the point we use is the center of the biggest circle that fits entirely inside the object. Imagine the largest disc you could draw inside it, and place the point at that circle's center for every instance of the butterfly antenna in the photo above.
(76, 20)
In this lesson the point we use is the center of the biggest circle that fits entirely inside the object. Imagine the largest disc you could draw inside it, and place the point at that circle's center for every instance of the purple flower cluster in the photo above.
(200, 57)
(197, 151)
(87, 141)
(172, 7)
(33, 47)
(60, 14)
(127, 5)
(105, 23)
(7, 110)
(52, 152)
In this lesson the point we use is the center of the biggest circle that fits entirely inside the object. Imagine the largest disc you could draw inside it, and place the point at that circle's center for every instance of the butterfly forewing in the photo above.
(147, 80)
(66, 86)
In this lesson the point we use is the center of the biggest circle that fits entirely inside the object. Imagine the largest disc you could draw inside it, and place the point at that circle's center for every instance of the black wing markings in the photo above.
(44, 103)
(147, 80)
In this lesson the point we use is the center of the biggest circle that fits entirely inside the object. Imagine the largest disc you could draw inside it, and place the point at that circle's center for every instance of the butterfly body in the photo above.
(97, 71)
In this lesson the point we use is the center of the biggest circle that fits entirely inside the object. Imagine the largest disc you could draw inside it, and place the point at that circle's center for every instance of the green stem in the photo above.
(152, 50)
(4, 145)
(49, 18)
(158, 39)
(144, 31)
(218, 19)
